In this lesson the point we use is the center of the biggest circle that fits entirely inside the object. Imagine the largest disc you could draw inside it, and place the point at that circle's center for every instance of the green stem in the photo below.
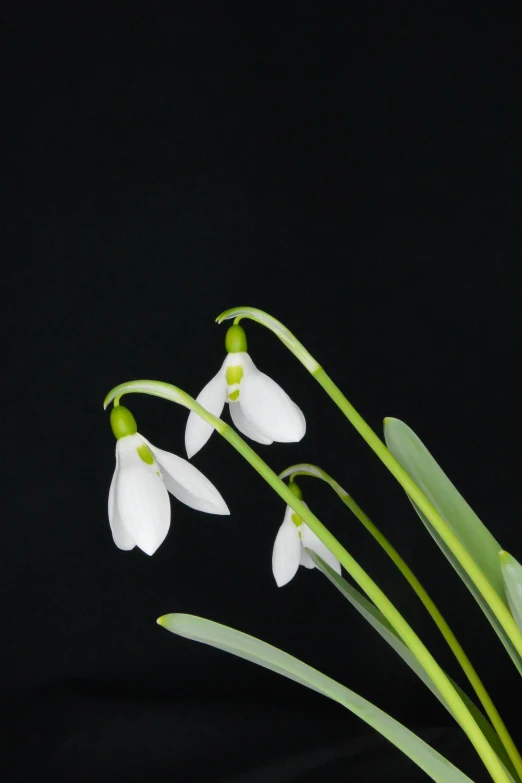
(490, 595)
(374, 593)
(440, 622)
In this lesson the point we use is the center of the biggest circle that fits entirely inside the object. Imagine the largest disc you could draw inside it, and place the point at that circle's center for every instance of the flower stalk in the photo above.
(374, 593)
(499, 609)
(305, 469)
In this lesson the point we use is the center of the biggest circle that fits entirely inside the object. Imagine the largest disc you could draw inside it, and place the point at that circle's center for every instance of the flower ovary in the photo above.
(123, 422)
(235, 340)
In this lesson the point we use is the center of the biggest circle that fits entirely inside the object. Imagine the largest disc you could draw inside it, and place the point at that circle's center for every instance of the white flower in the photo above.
(259, 407)
(139, 506)
(289, 549)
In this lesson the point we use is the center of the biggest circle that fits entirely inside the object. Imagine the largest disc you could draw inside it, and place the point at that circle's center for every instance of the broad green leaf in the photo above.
(376, 619)
(473, 534)
(431, 479)
(512, 574)
(251, 649)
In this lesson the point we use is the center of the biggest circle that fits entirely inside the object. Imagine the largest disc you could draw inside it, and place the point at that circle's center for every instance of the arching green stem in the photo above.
(305, 469)
(499, 609)
(374, 593)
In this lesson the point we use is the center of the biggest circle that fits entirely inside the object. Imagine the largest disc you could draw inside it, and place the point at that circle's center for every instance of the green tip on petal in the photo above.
(123, 422)
(296, 489)
(145, 454)
(234, 375)
(235, 340)
(169, 621)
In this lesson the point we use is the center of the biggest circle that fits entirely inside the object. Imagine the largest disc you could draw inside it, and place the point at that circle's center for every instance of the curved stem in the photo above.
(490, 595)
(408, 635)
(305, 469)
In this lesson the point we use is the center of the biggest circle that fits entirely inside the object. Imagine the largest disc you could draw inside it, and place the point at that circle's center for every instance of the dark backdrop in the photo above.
(354, 170)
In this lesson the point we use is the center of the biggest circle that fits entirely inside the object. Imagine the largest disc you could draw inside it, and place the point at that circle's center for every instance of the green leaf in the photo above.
(512, 574)
(378, 621)
(251, 649)
(442, 494)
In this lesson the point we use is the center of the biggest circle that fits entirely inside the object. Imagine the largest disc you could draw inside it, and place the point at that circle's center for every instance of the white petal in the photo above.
(243, 425)
(141, 497)
(287, 548)
(310, 541)
(212, 397)
(119, 534)
(305, 559)
(269, 409)
(241, 359)
(188, 484)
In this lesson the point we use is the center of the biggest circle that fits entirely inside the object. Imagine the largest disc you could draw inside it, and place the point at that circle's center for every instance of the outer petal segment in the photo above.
(305, 559)
(121, 538)
(269, 408)
(310, 541)
(188, 484)
(212, 397)
(287, 549)
(141, 497)
(243, 425)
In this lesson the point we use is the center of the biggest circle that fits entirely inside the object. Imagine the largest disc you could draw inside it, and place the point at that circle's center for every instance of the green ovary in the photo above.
(296, 489)
(235, 340)
(123, 422)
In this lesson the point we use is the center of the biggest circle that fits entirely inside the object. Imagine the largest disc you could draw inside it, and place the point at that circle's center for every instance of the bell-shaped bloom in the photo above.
(259, 407)
(292, 540)
(139, 506)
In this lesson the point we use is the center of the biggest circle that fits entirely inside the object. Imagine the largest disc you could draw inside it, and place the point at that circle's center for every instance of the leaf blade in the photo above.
(377, 620)
(512, 575)
(257, 651)
(418, 462)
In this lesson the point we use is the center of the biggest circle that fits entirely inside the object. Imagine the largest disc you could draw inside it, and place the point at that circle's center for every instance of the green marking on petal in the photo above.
(123, 422)
(297, 520)
(234, 396)
(234, 374)
(145, 454)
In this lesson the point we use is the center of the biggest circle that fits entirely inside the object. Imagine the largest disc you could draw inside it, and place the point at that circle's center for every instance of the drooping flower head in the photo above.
(293, 539)
(259, 407)
(139, 506)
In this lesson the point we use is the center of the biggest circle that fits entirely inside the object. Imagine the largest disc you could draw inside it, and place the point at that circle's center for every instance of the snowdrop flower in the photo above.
(289, 547)
(259, 407)
(139, 507)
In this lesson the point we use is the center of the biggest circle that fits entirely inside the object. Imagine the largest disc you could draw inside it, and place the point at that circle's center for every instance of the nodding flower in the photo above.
(293, 539)
(139, 506)
(259, 407)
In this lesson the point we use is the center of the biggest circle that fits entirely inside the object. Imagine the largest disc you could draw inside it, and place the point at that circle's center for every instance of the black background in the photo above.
(353, 169)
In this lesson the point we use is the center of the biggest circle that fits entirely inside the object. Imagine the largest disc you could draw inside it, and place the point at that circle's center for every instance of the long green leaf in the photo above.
(512, 575)
(383, 627)
(251, 649)
(415, 458)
